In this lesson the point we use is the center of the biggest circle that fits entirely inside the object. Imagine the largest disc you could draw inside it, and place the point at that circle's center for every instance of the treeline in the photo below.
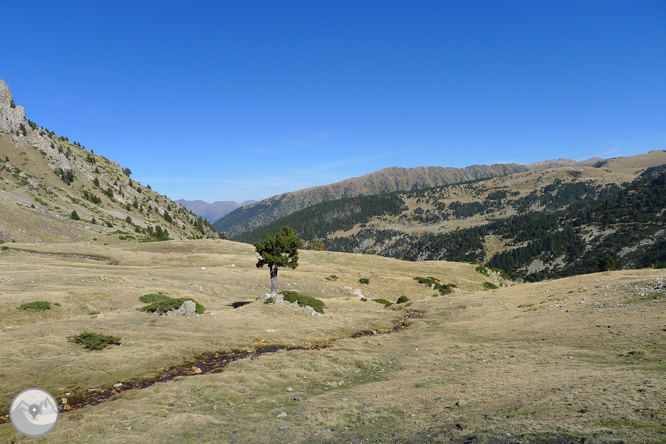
(632, 213)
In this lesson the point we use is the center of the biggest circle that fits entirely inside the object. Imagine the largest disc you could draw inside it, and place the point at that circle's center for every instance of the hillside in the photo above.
(531, 225)
(212, 211)
(570, 360)
(384, 181)
(45, 178)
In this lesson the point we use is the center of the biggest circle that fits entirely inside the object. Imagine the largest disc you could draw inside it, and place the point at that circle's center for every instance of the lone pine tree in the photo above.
(278, 250)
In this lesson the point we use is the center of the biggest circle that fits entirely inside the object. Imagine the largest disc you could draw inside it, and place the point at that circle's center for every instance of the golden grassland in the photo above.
(581, 356)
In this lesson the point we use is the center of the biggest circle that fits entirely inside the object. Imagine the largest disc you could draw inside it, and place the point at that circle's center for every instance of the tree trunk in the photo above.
(274, 272)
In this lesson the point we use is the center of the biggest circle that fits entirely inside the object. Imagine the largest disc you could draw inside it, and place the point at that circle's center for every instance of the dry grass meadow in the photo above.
(579, 357)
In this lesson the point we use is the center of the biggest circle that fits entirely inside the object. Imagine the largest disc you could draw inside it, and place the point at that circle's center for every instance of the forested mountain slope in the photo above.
(384, 181)
(532, 225)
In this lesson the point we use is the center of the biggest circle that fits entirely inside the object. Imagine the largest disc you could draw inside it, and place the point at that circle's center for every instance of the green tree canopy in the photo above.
(278, 250)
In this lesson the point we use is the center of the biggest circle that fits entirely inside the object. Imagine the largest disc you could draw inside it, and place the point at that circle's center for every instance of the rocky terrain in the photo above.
(54, 190)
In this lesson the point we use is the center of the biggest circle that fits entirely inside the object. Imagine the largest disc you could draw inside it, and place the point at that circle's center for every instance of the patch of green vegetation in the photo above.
(94, 312)
(489, 286)
(483, 270)
(303, 301)
(161, 303)
(364, 281)
(383, 301)
(37, 305)
(402, 300)
(94, 341)
(331, 278)
(647, 297)
(269, 301)
(434, 283)
(364, 299)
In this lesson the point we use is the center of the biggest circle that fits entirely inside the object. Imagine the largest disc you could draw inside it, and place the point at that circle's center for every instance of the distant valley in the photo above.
(213, 211)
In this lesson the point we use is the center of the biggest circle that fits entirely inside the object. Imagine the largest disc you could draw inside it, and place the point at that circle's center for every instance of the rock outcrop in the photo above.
(11, 116)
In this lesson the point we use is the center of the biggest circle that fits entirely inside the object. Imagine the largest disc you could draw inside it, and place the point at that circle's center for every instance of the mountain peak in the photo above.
(11, 116)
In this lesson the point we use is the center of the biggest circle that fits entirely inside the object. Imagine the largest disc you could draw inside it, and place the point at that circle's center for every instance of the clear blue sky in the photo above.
(248, 99)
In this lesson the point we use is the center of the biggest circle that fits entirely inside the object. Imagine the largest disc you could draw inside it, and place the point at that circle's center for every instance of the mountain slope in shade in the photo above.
(379, 182)
(213, 211)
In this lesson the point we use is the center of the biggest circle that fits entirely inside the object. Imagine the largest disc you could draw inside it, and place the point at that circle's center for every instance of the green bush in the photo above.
(331, 278)
(269, 301)
(489, 286)
(483, 270)
(74, 215)
(364, 299)
(94, 341)
(37, 305)
(402, 300)
(364, 281)
(162, 303)
(434, 283)
(303, 301)
(383, 301)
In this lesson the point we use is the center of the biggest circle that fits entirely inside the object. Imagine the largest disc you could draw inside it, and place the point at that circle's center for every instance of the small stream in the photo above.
(214, 363)
(75, 256)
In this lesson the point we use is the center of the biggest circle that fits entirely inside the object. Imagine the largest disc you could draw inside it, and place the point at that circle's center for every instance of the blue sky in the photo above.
(246, 100)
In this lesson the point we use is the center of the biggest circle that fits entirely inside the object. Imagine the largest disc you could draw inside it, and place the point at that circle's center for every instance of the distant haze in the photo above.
(212, 211)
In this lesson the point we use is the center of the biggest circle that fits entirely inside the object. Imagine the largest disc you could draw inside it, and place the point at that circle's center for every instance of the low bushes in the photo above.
(37, 306)
(364, 281)
(303, 301)
(434, 283)
(94, 341)
(383, 301)
(489, 286)
(402, 300)
(162, 303)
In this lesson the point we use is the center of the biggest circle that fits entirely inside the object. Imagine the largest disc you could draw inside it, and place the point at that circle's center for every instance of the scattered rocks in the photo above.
(461, 402)
(282, 415)
(282, 427)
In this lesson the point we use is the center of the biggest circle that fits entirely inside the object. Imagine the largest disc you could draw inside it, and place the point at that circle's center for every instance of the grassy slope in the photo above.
(521, 361)
(54, 200)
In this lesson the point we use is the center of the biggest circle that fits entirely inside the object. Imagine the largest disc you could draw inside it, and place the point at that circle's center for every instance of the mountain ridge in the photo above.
(213, 211)
(381, 181)
(54, 190)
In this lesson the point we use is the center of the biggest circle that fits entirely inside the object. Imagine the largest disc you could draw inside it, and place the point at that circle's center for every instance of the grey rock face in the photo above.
(11, 118)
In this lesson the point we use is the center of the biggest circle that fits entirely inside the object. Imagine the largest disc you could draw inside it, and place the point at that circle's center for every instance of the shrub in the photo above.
(489, 286)
(74, 215)
(364, 299)
(303, 301)
(162, 303)
(94, 341)
(383, 301)
(269, 301)
(481, 269)
(128, 220)
(434, 283)
(364, 281)
(37, 306)
(402, 300)
(331, 278)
